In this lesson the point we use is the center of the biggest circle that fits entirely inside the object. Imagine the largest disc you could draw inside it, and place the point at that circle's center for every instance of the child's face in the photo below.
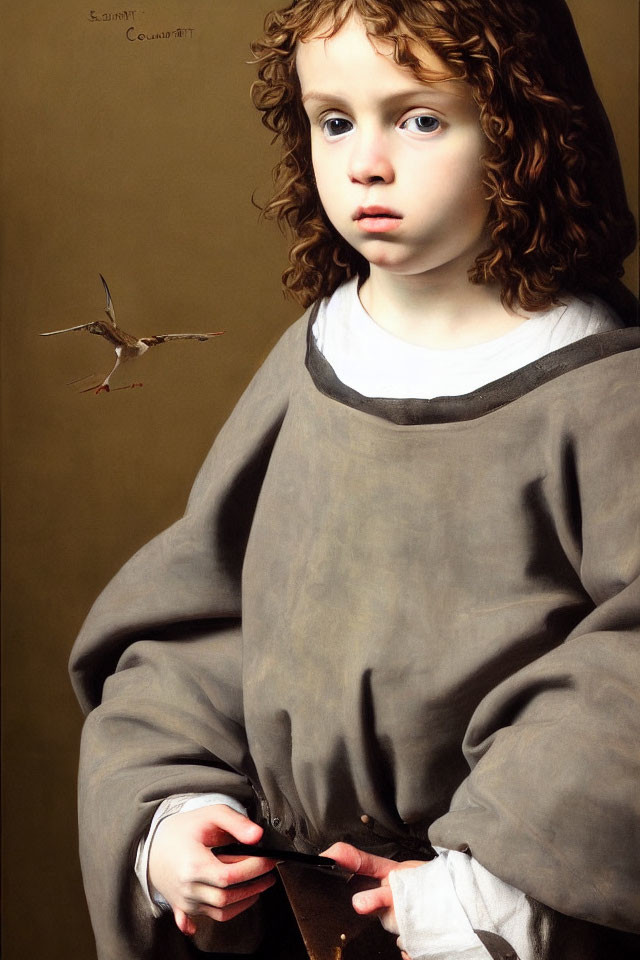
(385, 143)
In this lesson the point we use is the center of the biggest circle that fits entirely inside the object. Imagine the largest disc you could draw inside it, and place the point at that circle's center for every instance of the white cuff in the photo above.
(180, 803)
(491, 904)
(430, 917)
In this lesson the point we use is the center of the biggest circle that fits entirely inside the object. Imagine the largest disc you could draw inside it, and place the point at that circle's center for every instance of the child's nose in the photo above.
(370, 161)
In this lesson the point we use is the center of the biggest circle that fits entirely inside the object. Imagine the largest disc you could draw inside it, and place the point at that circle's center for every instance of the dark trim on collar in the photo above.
(468, 406)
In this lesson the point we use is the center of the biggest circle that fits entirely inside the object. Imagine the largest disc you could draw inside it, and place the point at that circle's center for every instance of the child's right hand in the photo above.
(195, 882)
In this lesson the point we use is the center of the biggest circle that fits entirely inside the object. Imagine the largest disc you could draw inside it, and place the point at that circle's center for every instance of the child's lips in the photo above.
(376, 219)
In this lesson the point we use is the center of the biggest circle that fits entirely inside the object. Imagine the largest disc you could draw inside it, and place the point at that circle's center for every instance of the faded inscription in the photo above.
(134, 34)
(180, 33)
(113, 15)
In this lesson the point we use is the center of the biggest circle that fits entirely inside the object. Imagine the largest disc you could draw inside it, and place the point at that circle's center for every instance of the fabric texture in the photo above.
(431, 920)
(369, 359)
(455, 885)
(440, 609)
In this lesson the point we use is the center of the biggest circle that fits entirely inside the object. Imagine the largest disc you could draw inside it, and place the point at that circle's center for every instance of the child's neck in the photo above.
(442, 312)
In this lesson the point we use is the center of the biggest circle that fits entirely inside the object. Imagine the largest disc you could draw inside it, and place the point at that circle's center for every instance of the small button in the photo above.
(365, 818)
(276, 821)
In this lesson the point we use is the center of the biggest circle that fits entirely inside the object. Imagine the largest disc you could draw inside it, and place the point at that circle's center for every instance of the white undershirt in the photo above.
(439, 904)
(376, 363)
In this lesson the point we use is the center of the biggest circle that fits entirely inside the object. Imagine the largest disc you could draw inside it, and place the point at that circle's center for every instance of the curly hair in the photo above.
(558, 218)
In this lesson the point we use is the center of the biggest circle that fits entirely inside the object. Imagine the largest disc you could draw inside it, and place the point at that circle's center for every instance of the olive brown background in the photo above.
(137, 158)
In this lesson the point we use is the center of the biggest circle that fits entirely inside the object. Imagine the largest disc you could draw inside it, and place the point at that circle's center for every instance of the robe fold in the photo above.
(422, 611)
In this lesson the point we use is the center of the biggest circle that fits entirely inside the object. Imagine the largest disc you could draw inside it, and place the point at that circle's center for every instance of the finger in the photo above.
(218, 873)
(403, 952)
(409, 864)
(358, 861)
(223, 914)
(206, 895)
(184, 923)
(233, 823)
(227, 858)
(370, 901)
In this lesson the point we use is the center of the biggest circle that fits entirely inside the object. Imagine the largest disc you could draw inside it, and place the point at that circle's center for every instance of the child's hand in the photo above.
(378, 901)
(192, 880)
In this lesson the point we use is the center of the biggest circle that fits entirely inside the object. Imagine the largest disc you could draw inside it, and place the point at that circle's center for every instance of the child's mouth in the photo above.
(376, 219)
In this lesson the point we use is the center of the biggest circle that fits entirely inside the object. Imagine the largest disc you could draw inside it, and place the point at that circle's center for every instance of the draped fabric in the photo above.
(431, 618)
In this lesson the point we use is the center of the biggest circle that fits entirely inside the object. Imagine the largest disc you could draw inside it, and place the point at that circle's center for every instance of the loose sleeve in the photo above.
(552, 802)
(451, 908)
(158, 668)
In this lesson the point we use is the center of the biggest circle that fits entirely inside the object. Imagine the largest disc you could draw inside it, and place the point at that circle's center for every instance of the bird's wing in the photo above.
(110, 312)
(152, 341)
(81, 326)
(102, 329)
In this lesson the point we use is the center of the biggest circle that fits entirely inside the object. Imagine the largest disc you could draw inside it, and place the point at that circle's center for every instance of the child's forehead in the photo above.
(328, 51)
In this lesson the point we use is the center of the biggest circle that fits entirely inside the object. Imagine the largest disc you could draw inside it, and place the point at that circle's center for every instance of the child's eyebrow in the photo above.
(430, 90)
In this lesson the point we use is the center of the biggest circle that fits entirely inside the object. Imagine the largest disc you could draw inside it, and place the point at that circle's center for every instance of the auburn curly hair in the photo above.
(558, 218)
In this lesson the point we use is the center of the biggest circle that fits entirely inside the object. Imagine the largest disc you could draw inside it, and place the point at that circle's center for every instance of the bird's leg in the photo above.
(129, 386)
(107, 389)
(104, 386)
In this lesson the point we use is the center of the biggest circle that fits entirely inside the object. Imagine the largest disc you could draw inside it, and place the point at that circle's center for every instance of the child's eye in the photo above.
(422, 124)
(335, 126)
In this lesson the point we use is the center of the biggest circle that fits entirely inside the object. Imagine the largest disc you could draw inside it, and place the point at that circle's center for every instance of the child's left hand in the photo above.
(378, 901)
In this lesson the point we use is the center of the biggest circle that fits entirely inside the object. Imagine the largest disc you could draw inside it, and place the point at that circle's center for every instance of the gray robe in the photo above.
(440, 606)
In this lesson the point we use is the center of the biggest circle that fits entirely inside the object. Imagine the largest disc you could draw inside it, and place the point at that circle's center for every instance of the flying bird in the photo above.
(127, 347)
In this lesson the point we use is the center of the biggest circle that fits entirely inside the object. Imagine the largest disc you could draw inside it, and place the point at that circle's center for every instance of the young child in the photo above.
(424, 510)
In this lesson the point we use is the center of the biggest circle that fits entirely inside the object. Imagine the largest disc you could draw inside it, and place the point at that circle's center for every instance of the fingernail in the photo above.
(359, 901)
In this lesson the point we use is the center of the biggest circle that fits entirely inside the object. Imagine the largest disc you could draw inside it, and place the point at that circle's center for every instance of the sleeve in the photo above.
(552, 804)
(452, 908)
(158, 667)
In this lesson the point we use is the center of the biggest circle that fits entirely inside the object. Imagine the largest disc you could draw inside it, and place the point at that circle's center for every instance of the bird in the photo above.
(127, 346)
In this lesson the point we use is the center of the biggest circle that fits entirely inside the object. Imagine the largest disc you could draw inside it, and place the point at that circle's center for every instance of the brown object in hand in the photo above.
(330, 927)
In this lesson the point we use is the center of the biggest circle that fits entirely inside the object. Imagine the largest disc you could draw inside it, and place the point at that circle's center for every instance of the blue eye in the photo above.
(335, 126)
(422, 124)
